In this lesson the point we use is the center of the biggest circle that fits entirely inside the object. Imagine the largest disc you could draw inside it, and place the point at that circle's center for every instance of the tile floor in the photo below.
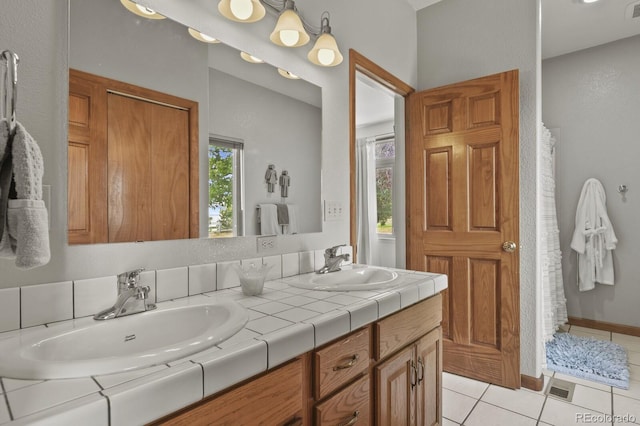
(473, 403)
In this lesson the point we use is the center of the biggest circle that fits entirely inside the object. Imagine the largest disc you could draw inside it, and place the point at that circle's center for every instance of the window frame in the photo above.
(387, 163)
(237, 204)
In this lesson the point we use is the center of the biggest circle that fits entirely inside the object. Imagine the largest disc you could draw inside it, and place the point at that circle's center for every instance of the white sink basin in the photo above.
(86, 347)
(350, 278)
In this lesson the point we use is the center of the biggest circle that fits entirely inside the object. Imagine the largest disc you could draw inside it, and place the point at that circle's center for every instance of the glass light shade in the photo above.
(287, 74)
(140, 10)
(242, 10)
(325, 52)
(202, 37)
(289, 31)
(250, 58)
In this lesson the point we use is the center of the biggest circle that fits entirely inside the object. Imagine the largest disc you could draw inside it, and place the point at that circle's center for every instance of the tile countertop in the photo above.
(284, 322)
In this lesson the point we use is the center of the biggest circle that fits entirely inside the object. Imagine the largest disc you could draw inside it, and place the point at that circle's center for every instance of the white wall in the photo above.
(37, 31)
(461, 40)
(592, 97)
(278, 130)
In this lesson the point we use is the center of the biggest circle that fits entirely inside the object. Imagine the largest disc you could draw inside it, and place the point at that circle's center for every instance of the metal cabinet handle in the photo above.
(349, 364)
(296, 421)
(421, 369)
(352, 420)
(414, 375)
(509, 246)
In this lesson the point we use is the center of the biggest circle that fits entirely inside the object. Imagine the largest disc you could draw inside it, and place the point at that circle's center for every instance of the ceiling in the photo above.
(567, 26)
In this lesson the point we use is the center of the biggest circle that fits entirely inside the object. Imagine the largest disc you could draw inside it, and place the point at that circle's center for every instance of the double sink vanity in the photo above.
(358, 346)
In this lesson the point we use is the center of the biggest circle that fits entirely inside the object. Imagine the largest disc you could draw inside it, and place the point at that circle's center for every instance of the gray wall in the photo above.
(592, 98)
(276, 129)
(460, 40)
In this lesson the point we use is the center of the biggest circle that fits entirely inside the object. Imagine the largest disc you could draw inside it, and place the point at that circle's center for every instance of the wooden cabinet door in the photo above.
(428, 390)
(463, 195)
(273, 399)
(394, 390)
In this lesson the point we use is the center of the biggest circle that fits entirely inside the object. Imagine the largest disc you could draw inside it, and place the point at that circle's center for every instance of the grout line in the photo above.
(97, 383)
(474, 405)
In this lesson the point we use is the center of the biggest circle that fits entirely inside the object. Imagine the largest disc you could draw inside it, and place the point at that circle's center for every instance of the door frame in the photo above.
(358, 62)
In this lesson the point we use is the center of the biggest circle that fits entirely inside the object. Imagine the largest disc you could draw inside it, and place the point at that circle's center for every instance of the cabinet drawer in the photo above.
(402, 328)
(337, 363)
(350, 406)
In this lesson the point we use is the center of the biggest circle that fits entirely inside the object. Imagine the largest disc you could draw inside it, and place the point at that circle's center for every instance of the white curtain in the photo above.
(554, 303)
(366, 211)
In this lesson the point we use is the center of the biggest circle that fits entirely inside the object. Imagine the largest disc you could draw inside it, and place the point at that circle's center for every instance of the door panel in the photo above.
(463, 204)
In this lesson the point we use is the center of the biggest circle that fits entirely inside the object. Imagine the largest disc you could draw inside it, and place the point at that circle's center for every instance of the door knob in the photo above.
(509, 246)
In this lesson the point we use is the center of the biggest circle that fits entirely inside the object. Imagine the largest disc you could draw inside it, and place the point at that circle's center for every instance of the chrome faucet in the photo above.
(132, 298)
(332, 261)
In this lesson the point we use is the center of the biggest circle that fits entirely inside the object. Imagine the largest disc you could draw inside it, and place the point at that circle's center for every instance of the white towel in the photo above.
(269, 220)
(292, 227)
(27, 235)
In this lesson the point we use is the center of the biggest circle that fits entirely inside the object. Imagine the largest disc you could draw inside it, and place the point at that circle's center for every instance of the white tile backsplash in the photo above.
(9, 309)
(318, 258)
(227, 276)
(307, 262)
(44, 303)
(31, 399)
(290, 264)
(172, 283)
(275, 262)
(93, 295)
(150, 397)
(202, 278)
(148, 278)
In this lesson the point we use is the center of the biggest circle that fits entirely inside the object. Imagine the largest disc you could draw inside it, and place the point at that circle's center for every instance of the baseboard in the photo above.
(606, 326)
(532, 383)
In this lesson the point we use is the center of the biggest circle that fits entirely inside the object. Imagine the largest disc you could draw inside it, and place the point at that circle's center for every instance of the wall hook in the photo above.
(622, 190)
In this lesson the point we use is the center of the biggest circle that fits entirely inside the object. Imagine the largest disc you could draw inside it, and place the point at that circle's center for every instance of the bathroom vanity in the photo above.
(304, 357)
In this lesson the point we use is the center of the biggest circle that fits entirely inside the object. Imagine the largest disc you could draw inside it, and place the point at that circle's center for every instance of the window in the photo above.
(225, 188)
(385, 155)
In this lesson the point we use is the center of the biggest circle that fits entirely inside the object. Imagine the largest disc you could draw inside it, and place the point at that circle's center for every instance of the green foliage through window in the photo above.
(221, 185)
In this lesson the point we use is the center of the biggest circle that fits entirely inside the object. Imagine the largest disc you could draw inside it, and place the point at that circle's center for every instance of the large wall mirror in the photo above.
(187, 131)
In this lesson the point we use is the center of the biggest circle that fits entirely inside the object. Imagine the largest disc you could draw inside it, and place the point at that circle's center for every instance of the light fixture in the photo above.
(202, 36)
(140, 10)
(325, 51)
(588, 1)
(250, 58)
(242, 10)
(287, 74)
(289, 31)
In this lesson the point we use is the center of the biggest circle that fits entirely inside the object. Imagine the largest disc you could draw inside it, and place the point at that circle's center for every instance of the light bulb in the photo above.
(207, 37)
(241, 9)
(326, 56)
(289, 37)
(145, 10)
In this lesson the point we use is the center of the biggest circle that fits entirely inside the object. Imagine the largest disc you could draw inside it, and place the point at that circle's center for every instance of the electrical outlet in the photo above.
(266, 244)
(333, 210)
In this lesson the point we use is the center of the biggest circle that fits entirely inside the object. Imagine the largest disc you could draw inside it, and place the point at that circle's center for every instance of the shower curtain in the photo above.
(554, 303)
(366, 210)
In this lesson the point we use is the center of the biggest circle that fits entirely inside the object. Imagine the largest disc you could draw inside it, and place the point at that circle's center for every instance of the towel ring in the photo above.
(10, 88)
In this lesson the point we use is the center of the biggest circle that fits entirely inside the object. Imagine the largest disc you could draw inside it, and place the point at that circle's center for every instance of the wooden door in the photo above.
(462, 186)
(429, 383)
(394, 390)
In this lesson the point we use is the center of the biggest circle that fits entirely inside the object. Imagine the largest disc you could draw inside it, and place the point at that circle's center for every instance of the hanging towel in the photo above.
(26, 234)
(283, 214)
(269, 220)
(593, 238)
(292, 227)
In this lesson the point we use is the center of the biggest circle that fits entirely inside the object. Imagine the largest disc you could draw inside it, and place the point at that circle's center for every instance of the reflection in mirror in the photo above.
(138, 172)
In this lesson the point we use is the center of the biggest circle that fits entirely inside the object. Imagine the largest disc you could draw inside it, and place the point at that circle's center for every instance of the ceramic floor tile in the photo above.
(456, 406)
(464, 385)
(561, 413)
(322, 306)
(447, 422)
(586, 334)
(623, 406)
(633, 357)
(44, 395)
(583, 382)
(271, 308)
(521, 402)
(593, 399)
(632, 392)
(631, 343)
(296, 314)
(485, 414)
(593, 331)
(267, 324)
